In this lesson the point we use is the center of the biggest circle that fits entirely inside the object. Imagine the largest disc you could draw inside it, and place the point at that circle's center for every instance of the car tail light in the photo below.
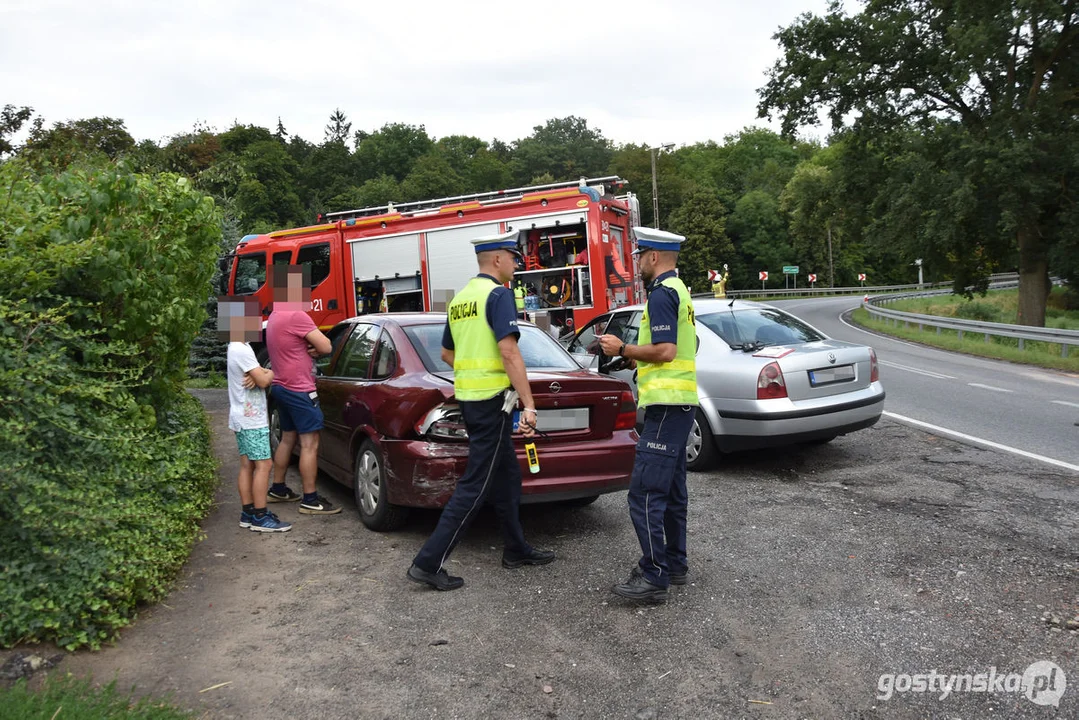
(770, 383)
(627, 412)
(874, 368)
(444, 422)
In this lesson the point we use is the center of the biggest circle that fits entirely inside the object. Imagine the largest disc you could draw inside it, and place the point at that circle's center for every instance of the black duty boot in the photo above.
(534, 557)
(440, 580)
(637, 588)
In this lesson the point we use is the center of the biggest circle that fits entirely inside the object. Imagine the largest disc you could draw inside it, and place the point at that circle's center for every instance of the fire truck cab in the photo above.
(575, 238)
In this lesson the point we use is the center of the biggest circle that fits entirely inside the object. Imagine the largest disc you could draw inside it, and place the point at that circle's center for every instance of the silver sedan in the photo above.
(764, 377)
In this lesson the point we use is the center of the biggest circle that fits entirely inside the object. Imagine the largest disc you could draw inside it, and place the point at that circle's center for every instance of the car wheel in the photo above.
(700, 446)
(369, 486)
(580, 502)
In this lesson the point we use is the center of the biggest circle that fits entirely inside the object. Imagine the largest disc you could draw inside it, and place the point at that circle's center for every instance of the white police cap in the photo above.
(652, 239)
(500, 241)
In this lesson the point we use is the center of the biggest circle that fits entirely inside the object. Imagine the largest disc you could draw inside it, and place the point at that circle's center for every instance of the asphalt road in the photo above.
(1025, 409)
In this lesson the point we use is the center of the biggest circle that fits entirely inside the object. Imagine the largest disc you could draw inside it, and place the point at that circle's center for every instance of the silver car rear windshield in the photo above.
(539, 350)
(763, 326)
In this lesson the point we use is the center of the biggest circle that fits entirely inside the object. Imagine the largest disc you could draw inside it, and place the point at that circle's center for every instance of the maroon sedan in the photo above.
(395, 434)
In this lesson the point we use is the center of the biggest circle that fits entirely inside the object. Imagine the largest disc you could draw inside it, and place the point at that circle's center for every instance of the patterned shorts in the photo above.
(254, 443)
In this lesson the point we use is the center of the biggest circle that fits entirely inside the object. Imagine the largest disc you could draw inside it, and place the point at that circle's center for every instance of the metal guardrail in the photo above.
(1064, 338)
(944, 287)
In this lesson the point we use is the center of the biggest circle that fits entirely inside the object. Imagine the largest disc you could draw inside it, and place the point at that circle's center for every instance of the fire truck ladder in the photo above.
(484, 198)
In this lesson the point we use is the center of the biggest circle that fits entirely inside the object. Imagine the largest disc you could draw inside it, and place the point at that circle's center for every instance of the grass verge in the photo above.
(1047, 355)
(66, 698)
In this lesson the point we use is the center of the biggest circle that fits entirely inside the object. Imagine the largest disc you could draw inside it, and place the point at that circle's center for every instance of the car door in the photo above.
(341, 391)
(584, 347)
(625, 326)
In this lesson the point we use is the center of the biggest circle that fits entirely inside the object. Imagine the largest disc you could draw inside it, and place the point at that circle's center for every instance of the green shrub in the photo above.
(979, 311)
(106, 466)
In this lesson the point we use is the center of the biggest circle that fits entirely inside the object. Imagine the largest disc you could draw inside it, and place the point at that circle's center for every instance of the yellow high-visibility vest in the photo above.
(478, 372)
(674, 382)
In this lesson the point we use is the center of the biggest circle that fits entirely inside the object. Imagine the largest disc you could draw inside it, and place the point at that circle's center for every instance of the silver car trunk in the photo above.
(822, 369)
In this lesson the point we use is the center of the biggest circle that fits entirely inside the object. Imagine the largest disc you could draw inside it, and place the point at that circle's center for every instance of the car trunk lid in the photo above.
(820, 369)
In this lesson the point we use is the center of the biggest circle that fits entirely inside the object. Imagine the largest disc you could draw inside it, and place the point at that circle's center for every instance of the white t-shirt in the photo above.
(247, 408)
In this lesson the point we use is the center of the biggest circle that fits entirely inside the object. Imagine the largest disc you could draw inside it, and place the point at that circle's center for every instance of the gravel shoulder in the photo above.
(813, 571)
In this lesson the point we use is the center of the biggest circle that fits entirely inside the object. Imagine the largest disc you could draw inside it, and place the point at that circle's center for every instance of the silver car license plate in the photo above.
(562, 419)
(827, 376)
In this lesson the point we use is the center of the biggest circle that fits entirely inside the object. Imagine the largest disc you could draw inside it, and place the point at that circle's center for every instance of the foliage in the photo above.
(65, 143)
(392, 150)
(11, 121)
(338, 128)
(701, 220)
(565, 148)
(63, 696)
(982, 98)
(103, 275)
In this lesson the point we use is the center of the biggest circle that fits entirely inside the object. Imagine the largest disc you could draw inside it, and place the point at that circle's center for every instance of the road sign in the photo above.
(790, 269)
(763, 274)
(713, 276)
(861, 277)
(812, 277)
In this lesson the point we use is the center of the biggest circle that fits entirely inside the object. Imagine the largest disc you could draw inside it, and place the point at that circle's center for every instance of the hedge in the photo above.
(105, 464)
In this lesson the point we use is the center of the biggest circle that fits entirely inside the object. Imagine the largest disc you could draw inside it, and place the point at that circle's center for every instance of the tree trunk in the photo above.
(1034, 285)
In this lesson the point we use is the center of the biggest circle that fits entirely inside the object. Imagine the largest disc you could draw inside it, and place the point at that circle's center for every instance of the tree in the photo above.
(993, 82)
(758, 229)
(810, 201)
(11, 121)
(565, 148)
(64, 143)
(392, 150)
(431, 177)
(701, 219)
(280, 133)
(338, 128)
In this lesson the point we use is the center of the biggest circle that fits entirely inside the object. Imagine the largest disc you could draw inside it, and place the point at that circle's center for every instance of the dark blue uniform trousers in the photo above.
(657, 491)
(491, 475)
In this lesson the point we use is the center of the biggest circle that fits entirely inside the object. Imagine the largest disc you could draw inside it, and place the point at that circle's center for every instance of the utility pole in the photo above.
(655, 191)
(831, 267)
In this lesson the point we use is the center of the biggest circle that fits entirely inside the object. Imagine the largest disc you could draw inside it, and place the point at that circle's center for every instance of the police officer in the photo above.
(480, 341)
(667, 390)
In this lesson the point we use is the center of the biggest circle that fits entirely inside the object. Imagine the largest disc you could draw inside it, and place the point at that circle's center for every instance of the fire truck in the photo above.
(575, 238)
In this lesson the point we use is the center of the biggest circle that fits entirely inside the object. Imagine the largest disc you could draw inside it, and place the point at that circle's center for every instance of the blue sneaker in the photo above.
(269, 523)
(245, 519)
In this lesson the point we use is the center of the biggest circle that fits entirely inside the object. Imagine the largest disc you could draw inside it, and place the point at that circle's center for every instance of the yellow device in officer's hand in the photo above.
(533, 457)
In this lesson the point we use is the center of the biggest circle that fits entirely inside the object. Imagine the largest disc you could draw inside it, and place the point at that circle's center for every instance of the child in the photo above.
(240, 322)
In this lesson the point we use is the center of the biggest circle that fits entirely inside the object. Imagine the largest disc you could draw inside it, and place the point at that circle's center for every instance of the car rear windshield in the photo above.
(760, 325)
(539, 350)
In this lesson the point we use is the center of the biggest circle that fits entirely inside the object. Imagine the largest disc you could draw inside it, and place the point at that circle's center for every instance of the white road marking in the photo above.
(919, 371)
(988, 387)
(1064, 402)
(980, 441)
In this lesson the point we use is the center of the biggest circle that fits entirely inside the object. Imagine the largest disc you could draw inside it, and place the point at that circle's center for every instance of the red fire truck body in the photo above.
(576, 239)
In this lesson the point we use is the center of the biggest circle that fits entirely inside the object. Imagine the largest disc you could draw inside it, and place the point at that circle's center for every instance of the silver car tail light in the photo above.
(874, 368)
(770, 383)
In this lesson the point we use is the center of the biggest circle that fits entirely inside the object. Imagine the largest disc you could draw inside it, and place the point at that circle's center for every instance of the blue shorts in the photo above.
(254, 443)
(298, 411)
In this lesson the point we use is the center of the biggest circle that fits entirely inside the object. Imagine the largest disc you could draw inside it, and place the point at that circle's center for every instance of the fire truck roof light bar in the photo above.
(492, 196)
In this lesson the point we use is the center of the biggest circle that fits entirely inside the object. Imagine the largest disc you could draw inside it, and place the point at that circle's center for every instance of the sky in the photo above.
(681, 71)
